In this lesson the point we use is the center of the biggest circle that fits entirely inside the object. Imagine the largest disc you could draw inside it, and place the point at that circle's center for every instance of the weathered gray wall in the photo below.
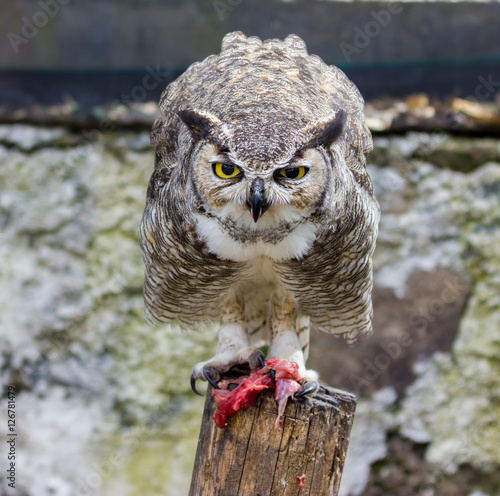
(124, 34)
(93, 51)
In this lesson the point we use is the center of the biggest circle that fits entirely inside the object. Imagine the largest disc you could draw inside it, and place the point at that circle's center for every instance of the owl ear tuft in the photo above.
(200, 124)
(325, 134)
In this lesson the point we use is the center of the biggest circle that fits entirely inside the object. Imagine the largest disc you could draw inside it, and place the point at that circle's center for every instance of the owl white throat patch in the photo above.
(295, 244)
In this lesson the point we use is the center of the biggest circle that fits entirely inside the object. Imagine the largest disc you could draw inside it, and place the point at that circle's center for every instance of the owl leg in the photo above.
(233, 347)
(290, 339)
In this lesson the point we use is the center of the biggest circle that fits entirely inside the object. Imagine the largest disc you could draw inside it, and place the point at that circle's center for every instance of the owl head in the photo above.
(247, 172)
(260, 136)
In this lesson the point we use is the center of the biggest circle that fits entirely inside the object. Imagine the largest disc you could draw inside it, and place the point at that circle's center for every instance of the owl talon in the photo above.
(273, 376)
(255, 359)
(262, 361)
(210, 380)
(193, 385)
(308, 387)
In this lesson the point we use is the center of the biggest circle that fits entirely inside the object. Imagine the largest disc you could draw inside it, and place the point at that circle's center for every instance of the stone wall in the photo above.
(103, 401)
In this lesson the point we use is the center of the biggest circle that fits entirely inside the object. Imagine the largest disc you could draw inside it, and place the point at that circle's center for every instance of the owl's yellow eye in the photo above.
(226, 171)
(294, 172)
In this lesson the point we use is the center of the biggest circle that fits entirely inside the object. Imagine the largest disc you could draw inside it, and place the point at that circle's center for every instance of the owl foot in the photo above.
(307, 388)
(211, 370)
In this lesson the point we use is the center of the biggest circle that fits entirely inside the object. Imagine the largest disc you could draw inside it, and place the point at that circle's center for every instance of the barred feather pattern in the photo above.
(264, 101)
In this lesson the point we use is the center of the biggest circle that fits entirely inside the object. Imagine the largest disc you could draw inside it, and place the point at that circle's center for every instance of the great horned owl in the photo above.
(260, 212)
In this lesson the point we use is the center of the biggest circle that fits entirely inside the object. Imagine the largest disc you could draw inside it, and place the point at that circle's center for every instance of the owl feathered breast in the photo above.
(267, 96)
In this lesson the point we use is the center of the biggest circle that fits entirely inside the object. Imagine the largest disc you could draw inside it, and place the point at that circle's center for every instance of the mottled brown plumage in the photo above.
(268, 110)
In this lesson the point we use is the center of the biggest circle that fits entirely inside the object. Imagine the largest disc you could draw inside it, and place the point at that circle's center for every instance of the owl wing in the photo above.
(333, 283)
(183, 281)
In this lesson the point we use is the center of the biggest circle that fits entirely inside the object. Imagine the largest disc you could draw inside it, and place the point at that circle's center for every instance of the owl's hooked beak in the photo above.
(257, 203)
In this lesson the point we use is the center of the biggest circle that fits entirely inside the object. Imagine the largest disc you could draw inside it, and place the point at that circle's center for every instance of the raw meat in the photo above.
(287, 377)
(301, 480)
(248, 387)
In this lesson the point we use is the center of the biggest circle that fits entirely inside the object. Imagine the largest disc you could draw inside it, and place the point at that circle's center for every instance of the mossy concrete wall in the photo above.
(104, 405)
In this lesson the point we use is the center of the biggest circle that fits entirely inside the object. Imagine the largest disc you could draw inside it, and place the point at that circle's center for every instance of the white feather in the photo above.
(295, 245)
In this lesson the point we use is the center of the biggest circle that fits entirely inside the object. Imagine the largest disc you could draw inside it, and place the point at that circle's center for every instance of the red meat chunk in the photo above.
(248, 388)
(243, 396)
(301, 480)
(284, 389)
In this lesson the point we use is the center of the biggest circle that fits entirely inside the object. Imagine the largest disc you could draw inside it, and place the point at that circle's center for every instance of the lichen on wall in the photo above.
(88, 370)
(104, 399)
(451, 220)
(456, 400)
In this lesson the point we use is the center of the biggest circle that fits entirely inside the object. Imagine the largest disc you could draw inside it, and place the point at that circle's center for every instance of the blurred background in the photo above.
(103, 401)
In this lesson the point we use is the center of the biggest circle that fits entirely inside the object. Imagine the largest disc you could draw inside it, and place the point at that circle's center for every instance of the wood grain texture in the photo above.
(249, 457)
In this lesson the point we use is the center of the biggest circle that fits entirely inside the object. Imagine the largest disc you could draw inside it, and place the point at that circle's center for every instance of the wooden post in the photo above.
(249, 457)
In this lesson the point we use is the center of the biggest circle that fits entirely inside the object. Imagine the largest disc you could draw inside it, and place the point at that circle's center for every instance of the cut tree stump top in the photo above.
(249, 457)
